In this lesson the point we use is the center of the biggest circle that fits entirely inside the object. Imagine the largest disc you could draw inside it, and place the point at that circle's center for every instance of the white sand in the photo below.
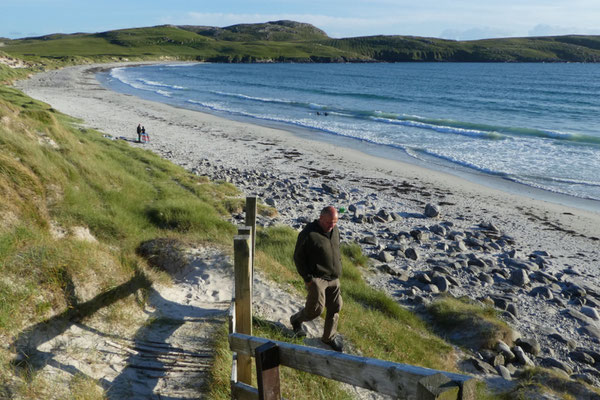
(188, 137)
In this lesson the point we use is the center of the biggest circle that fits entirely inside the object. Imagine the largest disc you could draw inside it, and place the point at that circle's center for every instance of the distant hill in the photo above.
(278, 31)
(289, 41)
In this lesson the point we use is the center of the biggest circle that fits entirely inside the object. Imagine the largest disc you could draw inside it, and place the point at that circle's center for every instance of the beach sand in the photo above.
(243, 152)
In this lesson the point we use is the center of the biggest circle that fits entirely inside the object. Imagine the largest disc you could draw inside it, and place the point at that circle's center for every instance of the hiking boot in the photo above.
(336, 343)
(297, 327)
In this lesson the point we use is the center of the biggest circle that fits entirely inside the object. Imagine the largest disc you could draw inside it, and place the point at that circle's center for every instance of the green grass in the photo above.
(469, 324)
(52, 173)
(371, 320)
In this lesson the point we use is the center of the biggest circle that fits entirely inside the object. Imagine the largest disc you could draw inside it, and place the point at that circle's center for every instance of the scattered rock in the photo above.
(432, 210)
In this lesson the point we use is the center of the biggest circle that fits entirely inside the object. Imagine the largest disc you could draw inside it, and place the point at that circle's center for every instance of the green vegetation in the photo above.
(469, 324)
(371, 320)
(288, 41)
(74, 207)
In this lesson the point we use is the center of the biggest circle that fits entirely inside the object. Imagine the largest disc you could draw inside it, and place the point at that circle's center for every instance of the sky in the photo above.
(456, 19)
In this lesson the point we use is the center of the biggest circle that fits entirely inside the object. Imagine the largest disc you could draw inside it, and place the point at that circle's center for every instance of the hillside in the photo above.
(289, 41)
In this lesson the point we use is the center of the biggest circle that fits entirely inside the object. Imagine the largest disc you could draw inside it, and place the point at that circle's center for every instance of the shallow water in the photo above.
(535, 124)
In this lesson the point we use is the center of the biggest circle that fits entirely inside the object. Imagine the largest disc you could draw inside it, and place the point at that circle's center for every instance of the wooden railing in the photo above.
(399, 380)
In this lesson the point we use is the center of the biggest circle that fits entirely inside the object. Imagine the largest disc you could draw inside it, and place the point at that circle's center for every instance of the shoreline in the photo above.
(299, 176)
(382, 151)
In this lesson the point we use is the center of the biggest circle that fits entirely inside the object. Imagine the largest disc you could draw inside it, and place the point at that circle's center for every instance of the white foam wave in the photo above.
(160, 84)
(442, 129)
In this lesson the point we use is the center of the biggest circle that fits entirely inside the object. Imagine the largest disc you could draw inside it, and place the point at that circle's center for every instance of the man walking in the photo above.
(318, 261)
(139, 132)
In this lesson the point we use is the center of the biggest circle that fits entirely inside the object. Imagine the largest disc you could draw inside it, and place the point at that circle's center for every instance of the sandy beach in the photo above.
(556, 245)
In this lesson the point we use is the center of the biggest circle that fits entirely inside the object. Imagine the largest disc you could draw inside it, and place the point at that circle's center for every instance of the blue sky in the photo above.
(457, 19)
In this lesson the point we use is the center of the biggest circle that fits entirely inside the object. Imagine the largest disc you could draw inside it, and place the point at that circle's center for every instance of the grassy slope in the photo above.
(289, 41)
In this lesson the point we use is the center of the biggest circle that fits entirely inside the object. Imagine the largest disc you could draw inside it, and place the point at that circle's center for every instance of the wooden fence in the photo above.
(399, 380)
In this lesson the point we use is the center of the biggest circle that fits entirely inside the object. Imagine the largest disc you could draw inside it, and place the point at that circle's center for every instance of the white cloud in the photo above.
(552, 30)
(475, 33)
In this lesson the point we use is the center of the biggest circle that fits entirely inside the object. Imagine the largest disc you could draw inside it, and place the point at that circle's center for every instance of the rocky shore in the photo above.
(427, 233)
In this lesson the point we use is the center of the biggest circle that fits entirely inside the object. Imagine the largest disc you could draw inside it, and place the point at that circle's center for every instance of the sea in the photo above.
(535, 125)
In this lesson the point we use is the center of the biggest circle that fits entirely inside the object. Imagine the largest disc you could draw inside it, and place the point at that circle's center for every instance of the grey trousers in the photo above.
(321, 295)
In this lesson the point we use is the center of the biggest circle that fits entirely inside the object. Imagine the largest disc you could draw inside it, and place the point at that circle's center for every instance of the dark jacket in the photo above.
(317, 253)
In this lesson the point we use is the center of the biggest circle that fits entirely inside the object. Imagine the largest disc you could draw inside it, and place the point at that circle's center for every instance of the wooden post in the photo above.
(243, 300)
(251, 222)
(267, 371)
(437, 387)
(244, 230)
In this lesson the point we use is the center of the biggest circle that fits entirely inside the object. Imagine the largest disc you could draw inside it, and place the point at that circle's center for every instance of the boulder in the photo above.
(529, 345)
(411, 253)
(505, 350)
(519, 277)
(385, 256)
(432, 210)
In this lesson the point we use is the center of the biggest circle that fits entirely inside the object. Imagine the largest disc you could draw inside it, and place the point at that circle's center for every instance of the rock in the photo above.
(590, 312)
(431, 288)
(459, 246)
(411, 253)
(438, 230)
(498, 359)
(385, 216)
(584, 378)
(594, 354)
(522, 357)
(529, 345)
(519, 277)
(372, 240)
(542, 291)
(511, 308)
(485, 278)
(581, 357)
(578, 316)
(473, 242)
(552, 362)
(271, 202)
(442, 246)
(432, 210)
(329, 189)
(476, 261)
(489, 226)
(503, 348)
(591, 331)
(574, 290)
(442, 283)
(385, 256)
(417, 234)
(482, 366)
(504, 372)
(560, 338)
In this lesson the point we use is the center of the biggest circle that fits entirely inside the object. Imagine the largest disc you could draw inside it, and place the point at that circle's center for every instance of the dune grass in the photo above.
(468, 323)
(58, 177)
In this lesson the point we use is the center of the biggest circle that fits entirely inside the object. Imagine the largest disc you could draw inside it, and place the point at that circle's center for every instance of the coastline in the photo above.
(245, 154)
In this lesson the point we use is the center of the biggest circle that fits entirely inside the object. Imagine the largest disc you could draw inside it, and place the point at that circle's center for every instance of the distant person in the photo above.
(139, 132)
(318, 261)
(145, 137)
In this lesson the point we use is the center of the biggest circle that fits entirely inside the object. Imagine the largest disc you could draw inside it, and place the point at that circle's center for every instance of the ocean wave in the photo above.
(476, 130)
(160, 84)
(551, 184)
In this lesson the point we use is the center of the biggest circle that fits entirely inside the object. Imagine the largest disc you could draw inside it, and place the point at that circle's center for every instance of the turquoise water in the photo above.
(536, 124)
